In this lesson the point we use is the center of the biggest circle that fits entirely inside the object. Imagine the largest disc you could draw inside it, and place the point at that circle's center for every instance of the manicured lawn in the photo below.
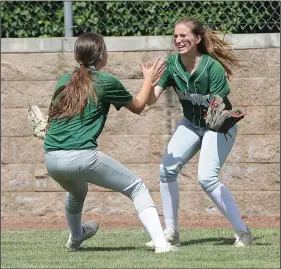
(201, 248)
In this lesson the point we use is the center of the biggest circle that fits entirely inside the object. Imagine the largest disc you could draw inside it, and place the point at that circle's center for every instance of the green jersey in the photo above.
(196, 89)
(82, 132)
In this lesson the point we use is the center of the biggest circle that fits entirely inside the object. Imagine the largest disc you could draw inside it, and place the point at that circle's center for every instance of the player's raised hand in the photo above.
(153, 70)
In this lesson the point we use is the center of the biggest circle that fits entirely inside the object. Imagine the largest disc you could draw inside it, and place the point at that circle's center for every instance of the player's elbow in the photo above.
(135, 107)
(137, 110)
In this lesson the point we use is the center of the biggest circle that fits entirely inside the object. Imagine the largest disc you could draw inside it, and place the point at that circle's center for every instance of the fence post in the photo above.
(68, 24)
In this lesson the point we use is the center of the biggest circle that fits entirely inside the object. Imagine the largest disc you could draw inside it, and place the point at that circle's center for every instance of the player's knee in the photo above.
(207, 182)
(140, 196)
(74, 202)
(134, 190)
(169, 173)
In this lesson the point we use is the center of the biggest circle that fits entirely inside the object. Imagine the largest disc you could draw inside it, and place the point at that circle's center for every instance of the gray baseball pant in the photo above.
(186, 141)
(74, 169)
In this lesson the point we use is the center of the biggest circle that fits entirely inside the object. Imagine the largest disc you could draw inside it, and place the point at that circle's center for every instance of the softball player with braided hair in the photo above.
(77, 115)
(198, 71)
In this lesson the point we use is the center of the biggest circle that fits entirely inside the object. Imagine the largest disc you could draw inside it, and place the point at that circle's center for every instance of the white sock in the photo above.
(74, 224)
(170, 204)
(150, 220)
(225, 203)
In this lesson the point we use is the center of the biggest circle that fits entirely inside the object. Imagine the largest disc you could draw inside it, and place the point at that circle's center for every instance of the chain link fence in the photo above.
(135, 18)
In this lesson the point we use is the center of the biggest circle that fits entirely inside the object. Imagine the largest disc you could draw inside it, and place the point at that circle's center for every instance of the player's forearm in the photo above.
(142, 98)
(152, 99)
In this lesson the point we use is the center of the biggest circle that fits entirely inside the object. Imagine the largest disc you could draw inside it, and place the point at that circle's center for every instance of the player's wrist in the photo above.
(148, 81)
(148, 78)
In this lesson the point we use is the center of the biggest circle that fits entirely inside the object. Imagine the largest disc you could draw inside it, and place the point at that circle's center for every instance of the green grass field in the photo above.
(201, 248)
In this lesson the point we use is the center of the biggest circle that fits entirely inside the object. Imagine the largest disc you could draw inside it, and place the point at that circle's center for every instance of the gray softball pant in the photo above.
(74, 169)
(186, 141)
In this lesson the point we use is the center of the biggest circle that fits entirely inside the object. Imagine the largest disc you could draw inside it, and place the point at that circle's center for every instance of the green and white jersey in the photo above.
(82, 132)
(196, 89)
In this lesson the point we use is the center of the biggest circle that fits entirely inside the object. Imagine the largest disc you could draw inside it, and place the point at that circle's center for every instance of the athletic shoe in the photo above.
(171, 237)
(90, 228)
(243, 238)
(168, 248)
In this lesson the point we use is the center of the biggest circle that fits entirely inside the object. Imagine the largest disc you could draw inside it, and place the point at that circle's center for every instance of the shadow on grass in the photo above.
(106, 249)
(218, 241)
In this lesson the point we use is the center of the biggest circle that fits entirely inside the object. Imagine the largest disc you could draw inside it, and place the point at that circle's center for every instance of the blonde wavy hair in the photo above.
(212, 44)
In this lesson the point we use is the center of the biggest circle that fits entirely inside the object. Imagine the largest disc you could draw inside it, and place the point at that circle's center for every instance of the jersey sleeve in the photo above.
(218, 81)
(166, 79)
(115, 93)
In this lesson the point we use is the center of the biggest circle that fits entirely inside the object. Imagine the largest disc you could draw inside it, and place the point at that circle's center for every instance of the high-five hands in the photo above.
(153, 70)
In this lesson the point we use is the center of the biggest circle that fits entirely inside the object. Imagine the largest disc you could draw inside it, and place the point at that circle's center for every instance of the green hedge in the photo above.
(46, 19)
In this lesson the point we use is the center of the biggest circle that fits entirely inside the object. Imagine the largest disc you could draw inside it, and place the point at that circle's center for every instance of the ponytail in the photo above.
(213, 45)
(71, 99)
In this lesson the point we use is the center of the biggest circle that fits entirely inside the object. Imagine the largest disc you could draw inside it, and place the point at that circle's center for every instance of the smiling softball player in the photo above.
(77, 115)
(198, 73)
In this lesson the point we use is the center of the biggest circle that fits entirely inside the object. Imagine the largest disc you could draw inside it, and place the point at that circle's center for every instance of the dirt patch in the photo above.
(121, 221)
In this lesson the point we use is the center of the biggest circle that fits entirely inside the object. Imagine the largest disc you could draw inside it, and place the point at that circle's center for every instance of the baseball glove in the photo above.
(37, 122)
(220, 120)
